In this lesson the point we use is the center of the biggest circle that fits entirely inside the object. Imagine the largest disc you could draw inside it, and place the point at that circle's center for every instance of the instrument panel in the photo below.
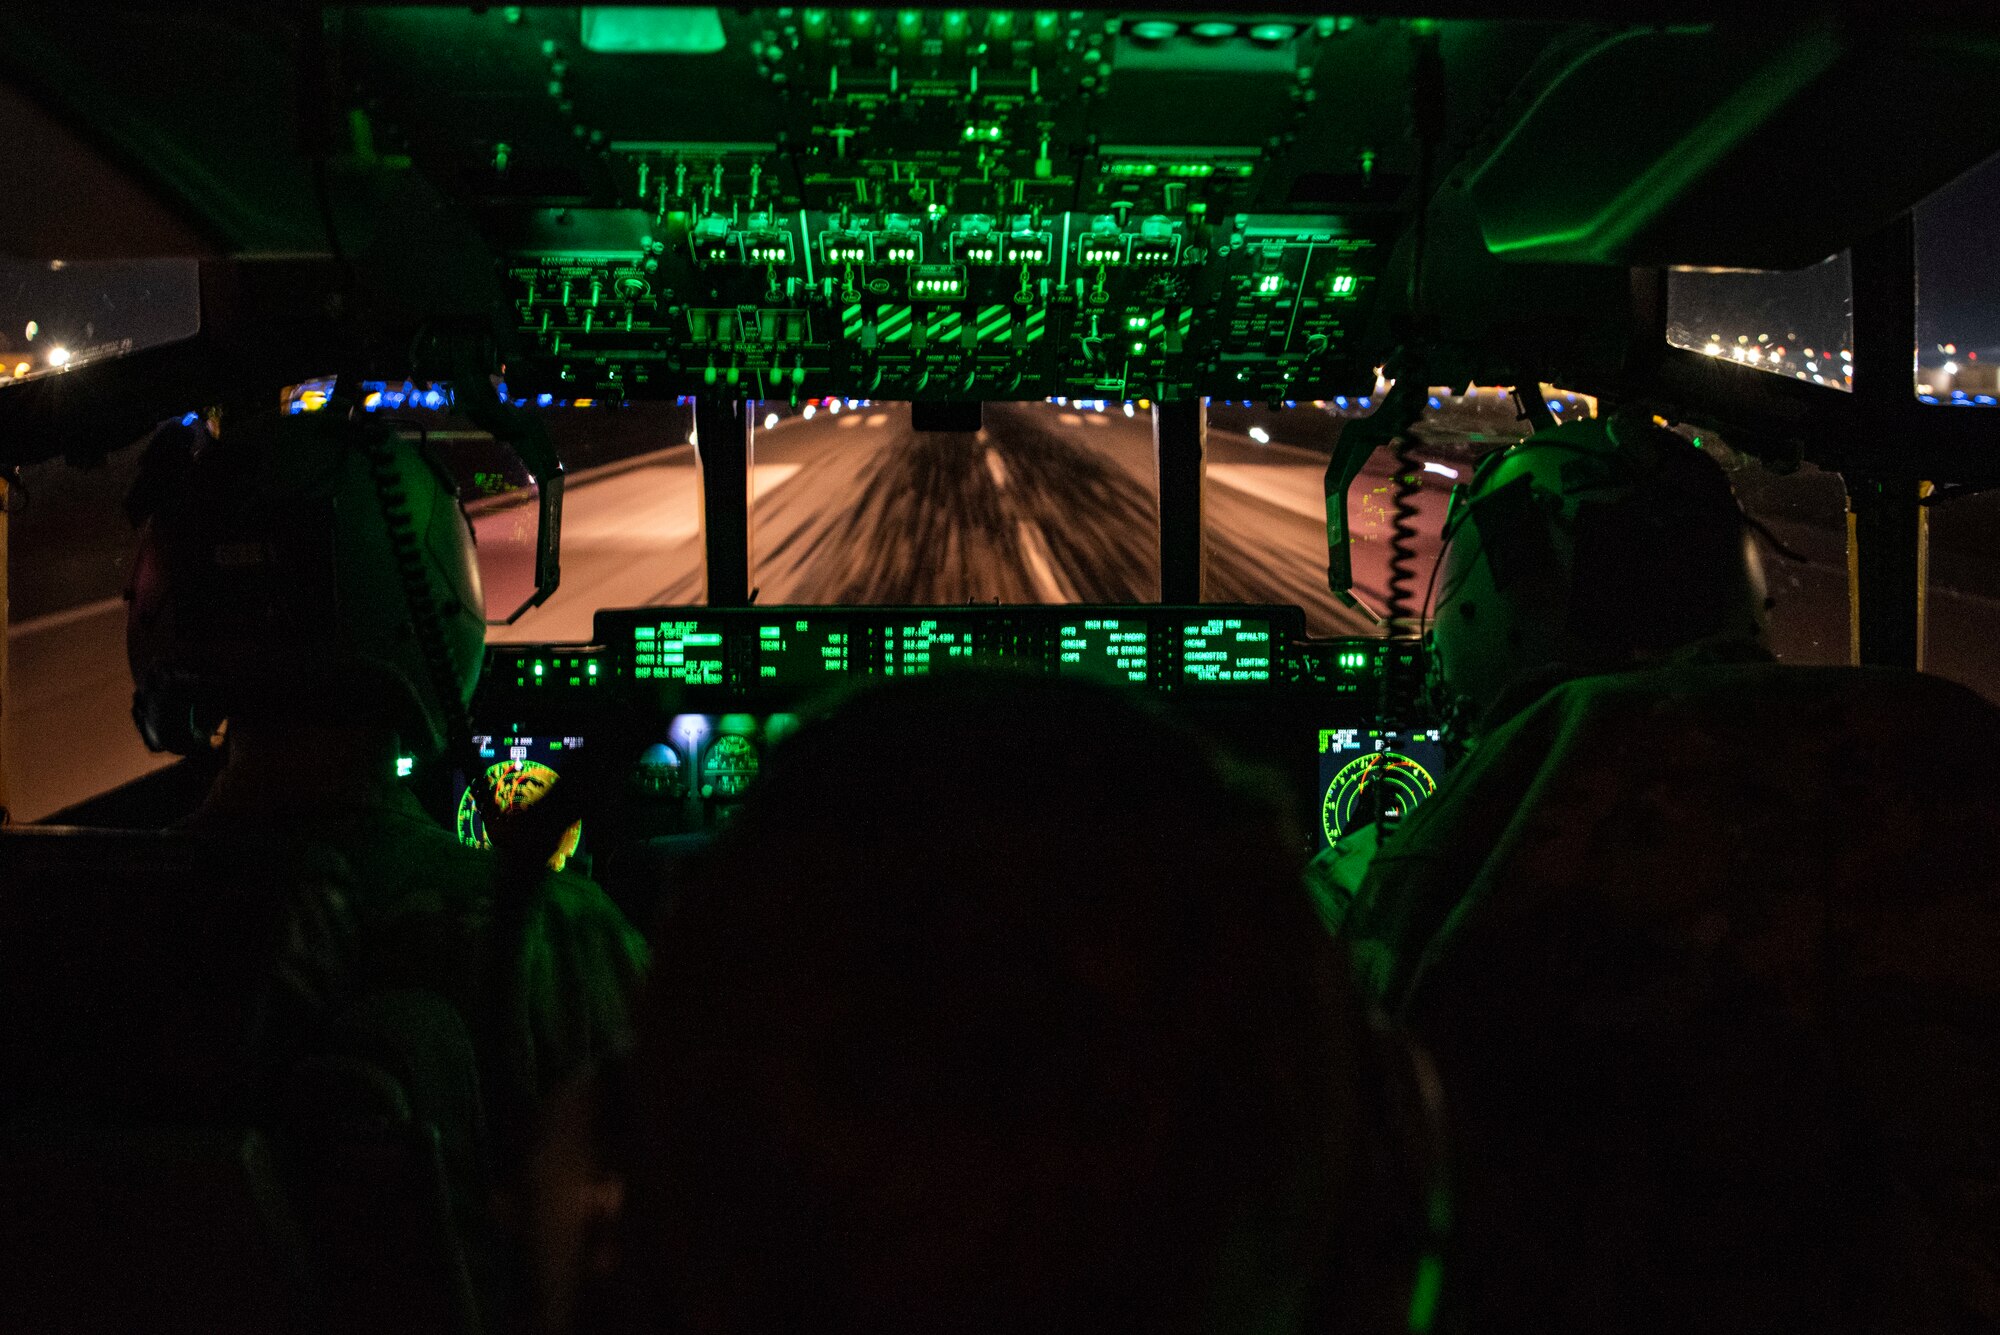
(714, 690)
(708, 655)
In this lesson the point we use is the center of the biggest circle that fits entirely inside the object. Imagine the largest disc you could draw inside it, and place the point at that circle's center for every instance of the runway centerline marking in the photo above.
(997, 467)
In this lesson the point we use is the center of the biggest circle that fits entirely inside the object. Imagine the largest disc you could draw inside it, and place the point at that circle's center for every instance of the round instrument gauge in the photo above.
(1350, 800)
(728, 768)
(658, 773)
(516, 783)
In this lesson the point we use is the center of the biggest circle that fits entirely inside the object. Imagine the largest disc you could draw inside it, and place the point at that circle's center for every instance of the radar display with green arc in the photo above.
(1350, 799)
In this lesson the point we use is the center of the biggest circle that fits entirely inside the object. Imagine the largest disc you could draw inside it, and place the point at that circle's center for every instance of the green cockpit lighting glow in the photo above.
(654, 30)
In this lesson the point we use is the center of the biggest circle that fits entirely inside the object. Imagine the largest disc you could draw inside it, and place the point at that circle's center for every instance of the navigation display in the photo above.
(689, 652)
(1113, 648)
(803, 651)
(1225, 649)
(521, 767)
(1374, 774)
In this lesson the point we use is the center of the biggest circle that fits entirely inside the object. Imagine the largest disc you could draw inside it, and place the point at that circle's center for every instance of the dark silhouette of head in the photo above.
(999, 1007)
(267, 591)
(1597, 546)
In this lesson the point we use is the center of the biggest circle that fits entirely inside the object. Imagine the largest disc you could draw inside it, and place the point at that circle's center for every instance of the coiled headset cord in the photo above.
(521, 871)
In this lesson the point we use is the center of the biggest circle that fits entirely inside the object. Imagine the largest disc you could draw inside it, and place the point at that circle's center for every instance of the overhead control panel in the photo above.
(918, 203)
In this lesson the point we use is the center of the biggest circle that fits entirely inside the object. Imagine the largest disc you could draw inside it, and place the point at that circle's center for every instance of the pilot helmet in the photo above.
(275, 574)
(1594, 546)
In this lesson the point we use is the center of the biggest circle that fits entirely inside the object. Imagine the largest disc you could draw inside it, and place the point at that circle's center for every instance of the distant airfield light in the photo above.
(1950, 368)
(58, 356)
(1555, 407)
(770, 420)
(1129, 409)
(21, 368)
(1260, 435)
(1442, 470)
(1712, 349)
(809, 412)
(33, 329)
(833, 406)
(1812, 366)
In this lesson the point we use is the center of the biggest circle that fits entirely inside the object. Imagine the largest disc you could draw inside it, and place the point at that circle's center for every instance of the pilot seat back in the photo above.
(203, 1127)
(1706, 957)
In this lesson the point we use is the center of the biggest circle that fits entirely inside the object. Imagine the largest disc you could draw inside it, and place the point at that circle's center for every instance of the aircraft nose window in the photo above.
(1039, 503)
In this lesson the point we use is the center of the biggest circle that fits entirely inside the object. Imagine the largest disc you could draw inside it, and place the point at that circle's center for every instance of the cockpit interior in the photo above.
(771, 354)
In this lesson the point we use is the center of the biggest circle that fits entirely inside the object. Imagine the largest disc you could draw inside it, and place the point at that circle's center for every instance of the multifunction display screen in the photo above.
(688, 652)
(763, 653)
(1114, 648)
(803, 651)
(1374, 775)
(521, 767)
(1226, 649)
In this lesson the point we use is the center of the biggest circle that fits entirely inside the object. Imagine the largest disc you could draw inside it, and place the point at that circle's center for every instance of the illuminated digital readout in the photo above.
(1377, 775)
(1222, 649)
(1104, 647)
(801, 651)
(521, 769)
(544, 671)
(689, 652)
(913, 648)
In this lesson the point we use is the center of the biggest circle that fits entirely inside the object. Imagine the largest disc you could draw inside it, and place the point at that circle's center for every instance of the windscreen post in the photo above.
(722, 454)
(1886, 530)
(1180, 432)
